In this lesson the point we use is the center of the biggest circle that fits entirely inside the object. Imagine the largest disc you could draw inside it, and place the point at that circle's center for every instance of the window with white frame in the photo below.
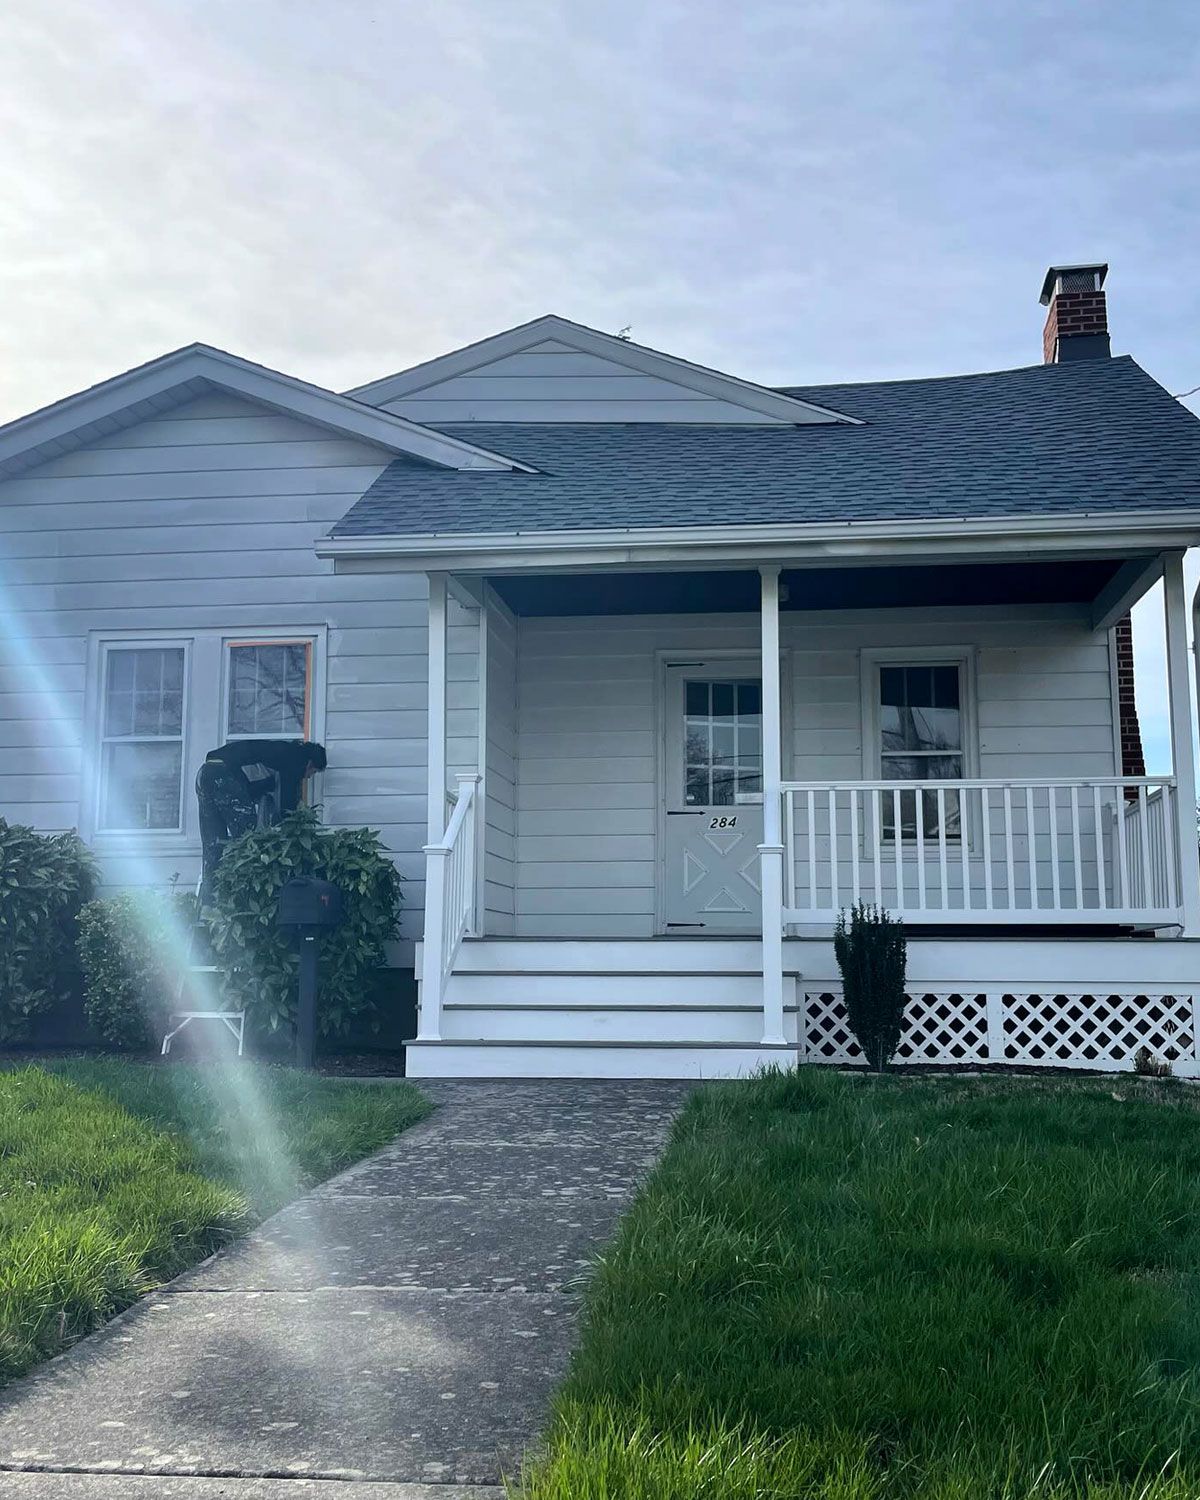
(920, 716)
(269, 694)
(142, 737)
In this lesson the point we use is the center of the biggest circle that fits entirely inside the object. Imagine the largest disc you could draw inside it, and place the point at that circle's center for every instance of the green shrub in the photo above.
(259, 962)
(133, 952)
(44, 880)
(872, 955)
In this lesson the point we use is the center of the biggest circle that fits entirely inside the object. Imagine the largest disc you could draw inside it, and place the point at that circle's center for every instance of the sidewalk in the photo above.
(403, 1325)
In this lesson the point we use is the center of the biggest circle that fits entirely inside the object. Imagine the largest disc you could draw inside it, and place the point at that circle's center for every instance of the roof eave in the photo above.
(1092, 533)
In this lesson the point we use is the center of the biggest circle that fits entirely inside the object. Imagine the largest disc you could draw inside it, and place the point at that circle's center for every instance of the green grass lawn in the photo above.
(116, 1175)
(852, 1288)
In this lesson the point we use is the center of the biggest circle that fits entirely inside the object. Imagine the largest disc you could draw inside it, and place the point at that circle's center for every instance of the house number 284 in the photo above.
(725, 822)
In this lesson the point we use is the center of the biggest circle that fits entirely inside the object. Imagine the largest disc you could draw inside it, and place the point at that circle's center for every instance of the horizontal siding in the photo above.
(550, 384)
(587, 786)
(204, 519)
(500, 769)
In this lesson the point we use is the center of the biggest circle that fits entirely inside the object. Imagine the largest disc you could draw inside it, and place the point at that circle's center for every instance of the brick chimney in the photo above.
(1077, 323)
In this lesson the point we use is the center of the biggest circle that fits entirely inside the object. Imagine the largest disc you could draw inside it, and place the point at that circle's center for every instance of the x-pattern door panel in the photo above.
(713, 796)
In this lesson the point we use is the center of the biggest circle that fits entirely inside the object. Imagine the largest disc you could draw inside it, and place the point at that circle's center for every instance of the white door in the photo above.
(712, 792)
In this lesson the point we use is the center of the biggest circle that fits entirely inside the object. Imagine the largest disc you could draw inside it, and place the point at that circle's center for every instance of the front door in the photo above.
(712, 794)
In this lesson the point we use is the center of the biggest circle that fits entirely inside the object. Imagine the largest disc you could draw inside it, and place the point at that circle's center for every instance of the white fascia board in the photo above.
(637, 357)
(284, 393)
(1084, 535)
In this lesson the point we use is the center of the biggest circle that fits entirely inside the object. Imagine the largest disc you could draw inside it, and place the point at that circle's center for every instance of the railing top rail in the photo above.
(458, 817)
(989, 783)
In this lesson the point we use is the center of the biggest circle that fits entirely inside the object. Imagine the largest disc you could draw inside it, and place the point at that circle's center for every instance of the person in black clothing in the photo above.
(248, 784)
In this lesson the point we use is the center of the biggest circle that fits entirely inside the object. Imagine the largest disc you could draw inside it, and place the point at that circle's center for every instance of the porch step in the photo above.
(590, 1059)
(622, 1025)
(635, 956)
(611, 988)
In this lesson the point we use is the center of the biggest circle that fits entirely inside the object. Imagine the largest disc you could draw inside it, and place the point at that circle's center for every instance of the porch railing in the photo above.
(1101, 850)
(450, 902)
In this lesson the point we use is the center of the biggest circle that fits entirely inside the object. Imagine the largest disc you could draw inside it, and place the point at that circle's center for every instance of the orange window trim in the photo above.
(298, 640)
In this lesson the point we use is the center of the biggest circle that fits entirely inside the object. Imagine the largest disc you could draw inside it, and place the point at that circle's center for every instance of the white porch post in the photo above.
(1183, 758)
(437, 707)
(770, 851)
(429, 1026)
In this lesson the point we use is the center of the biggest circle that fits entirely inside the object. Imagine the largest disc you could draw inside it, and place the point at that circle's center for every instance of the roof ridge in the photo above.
(866, 385)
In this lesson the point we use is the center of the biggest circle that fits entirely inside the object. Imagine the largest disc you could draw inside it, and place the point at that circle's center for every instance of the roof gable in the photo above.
(553, 370)
(151, 389)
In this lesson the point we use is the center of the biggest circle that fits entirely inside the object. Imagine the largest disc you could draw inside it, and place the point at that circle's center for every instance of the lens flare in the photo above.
(24, 669)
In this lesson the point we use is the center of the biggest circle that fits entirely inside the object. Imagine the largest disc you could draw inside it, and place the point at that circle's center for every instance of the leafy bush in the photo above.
(133, 951)
(259, 962)
(44, 880)
(872, 955)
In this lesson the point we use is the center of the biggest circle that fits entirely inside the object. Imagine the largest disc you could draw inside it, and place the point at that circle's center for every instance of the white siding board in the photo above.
(555, 384)
(587, 693)
(210, 512)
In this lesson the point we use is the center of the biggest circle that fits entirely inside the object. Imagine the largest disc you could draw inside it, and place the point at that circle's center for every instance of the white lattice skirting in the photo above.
(1055, 1029)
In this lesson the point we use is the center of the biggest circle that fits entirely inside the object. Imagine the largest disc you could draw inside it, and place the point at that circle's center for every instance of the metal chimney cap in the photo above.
(1097, 268)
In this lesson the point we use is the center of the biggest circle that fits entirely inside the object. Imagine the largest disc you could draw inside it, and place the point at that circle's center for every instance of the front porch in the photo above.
(636, 857)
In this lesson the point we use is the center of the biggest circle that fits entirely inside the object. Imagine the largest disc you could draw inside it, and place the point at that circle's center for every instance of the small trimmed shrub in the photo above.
(133, 951)
(872, 955)
(259, 962)
(44, 880)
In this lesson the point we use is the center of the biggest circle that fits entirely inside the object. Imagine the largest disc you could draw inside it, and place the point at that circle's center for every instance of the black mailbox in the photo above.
(306, 906)
(309, 902)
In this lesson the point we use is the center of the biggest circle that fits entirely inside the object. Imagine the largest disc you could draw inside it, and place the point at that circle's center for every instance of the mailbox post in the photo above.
(308, 907)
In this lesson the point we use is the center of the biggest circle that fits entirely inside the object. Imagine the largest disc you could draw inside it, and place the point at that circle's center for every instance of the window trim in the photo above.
(309, 639)
(962, 657)
(204, 715)
(106, 647)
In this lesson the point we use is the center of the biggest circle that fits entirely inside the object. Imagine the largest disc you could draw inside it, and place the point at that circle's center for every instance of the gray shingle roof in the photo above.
(1093, 435)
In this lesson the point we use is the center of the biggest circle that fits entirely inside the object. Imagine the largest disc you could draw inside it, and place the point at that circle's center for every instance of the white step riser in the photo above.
(491, 1060)
(517, 955)
(584, 990)
(625, 1025)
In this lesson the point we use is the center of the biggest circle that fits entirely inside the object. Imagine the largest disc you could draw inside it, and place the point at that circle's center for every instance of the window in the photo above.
(723, 742)
(141, 749)
(270, 690)
(920, 708)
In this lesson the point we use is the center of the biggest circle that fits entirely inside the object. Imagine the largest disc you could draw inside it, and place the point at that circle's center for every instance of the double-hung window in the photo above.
(921, 713)
(142, 737)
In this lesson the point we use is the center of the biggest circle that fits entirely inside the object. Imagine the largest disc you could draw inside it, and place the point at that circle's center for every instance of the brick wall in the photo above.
(1133, 761)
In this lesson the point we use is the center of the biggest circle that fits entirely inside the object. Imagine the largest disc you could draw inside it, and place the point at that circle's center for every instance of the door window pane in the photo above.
(141, 756)
(269, 689)
(722, 742)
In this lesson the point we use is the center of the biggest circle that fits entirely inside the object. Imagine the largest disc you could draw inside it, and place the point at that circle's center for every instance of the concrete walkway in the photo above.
(401, 1327)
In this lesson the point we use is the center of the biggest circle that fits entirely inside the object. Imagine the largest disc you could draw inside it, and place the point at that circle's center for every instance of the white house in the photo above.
(645, 672)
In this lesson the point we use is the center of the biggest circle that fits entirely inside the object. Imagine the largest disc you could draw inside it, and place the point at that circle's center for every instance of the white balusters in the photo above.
(1037, 850)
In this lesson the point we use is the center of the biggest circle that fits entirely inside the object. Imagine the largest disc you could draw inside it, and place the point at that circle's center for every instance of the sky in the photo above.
(791, 190)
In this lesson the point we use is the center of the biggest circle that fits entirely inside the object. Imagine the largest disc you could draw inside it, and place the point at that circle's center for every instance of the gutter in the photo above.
(1102, 532)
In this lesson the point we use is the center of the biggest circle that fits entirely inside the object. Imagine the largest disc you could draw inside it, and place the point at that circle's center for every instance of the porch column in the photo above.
(770, 851)
(429, 1021)
(1183, 757)
(436, 736)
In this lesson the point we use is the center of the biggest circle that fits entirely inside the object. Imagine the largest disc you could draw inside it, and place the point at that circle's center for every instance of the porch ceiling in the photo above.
(893, 587)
